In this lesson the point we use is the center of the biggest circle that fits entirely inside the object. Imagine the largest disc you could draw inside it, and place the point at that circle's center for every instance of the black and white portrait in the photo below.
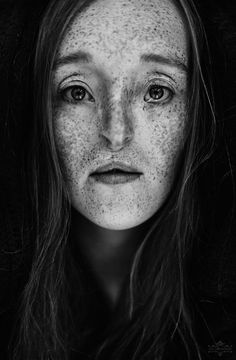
(117, 196)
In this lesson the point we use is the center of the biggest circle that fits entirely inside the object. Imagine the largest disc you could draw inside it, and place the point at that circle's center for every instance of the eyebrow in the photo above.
(151, 57)
(78, 56)
(84, 57)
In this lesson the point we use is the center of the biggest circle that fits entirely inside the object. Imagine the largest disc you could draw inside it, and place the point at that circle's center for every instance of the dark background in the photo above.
(214, 267)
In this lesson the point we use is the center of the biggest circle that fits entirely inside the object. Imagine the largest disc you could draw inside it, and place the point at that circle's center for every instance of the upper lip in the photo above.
(116, 166)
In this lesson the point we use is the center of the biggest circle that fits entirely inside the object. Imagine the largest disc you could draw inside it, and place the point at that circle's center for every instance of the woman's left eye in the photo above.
(76, 94)
(158, 94)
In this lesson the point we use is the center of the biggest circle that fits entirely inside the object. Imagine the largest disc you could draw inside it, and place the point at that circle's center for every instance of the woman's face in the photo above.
(120, 87)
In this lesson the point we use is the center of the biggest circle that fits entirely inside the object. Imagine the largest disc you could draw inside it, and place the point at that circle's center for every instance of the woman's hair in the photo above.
(157, 295)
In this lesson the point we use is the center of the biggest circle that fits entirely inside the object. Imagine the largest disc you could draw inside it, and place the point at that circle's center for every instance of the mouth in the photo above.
(115, 173)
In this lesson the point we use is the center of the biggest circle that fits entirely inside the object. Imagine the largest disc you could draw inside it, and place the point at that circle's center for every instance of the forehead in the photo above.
(125, 28)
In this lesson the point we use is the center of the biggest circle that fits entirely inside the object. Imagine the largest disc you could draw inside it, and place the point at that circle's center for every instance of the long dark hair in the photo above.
(157, 291)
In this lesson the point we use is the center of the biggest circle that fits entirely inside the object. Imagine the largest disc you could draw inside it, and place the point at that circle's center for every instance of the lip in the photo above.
(115, 173)
(116, 166)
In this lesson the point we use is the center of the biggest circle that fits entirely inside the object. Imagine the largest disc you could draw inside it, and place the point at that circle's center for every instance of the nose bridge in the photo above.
(118, 122)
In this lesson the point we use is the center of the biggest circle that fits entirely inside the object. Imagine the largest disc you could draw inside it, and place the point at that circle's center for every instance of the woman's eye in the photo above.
(158, 93)
(76, 94)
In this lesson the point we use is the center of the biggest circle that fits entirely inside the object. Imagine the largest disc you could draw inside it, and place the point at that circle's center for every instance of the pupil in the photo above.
(156, 92)
(78, 93)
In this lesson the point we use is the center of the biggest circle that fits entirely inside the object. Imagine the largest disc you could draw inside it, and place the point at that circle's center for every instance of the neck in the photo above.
(108, 252)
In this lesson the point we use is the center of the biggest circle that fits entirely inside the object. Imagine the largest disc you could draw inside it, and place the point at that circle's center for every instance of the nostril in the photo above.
(116, 140)
(114, 145)
(118, 133)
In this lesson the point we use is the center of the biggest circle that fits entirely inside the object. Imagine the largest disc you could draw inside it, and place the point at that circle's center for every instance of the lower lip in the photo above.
(113, 179)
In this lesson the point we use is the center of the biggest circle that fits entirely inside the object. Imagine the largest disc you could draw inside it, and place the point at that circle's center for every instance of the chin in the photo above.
(118, 221)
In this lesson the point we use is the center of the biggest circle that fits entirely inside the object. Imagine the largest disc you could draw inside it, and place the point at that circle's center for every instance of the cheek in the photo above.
(169, 132)
(75, 130)
(163, 134)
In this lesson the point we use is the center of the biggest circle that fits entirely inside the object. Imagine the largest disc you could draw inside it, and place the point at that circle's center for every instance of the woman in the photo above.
(123, 119)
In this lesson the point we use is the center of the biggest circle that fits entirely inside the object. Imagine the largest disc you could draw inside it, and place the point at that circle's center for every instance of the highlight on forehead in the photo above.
(108, 24)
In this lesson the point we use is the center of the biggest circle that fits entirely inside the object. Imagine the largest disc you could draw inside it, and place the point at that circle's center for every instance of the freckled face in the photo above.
(120, 87)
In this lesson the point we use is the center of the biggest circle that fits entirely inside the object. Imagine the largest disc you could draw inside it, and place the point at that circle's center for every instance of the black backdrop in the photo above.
(214, 264)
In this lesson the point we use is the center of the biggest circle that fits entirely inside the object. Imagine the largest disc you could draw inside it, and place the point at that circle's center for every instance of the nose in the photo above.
(117, 127)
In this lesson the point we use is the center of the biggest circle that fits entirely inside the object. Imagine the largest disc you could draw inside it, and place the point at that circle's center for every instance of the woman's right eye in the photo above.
(76, 94)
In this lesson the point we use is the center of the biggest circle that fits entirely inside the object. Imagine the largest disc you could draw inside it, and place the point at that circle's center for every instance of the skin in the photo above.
(119, 119)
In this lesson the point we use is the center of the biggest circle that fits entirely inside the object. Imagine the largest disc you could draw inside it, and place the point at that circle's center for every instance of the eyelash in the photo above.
(65, 97)
(167, 93)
